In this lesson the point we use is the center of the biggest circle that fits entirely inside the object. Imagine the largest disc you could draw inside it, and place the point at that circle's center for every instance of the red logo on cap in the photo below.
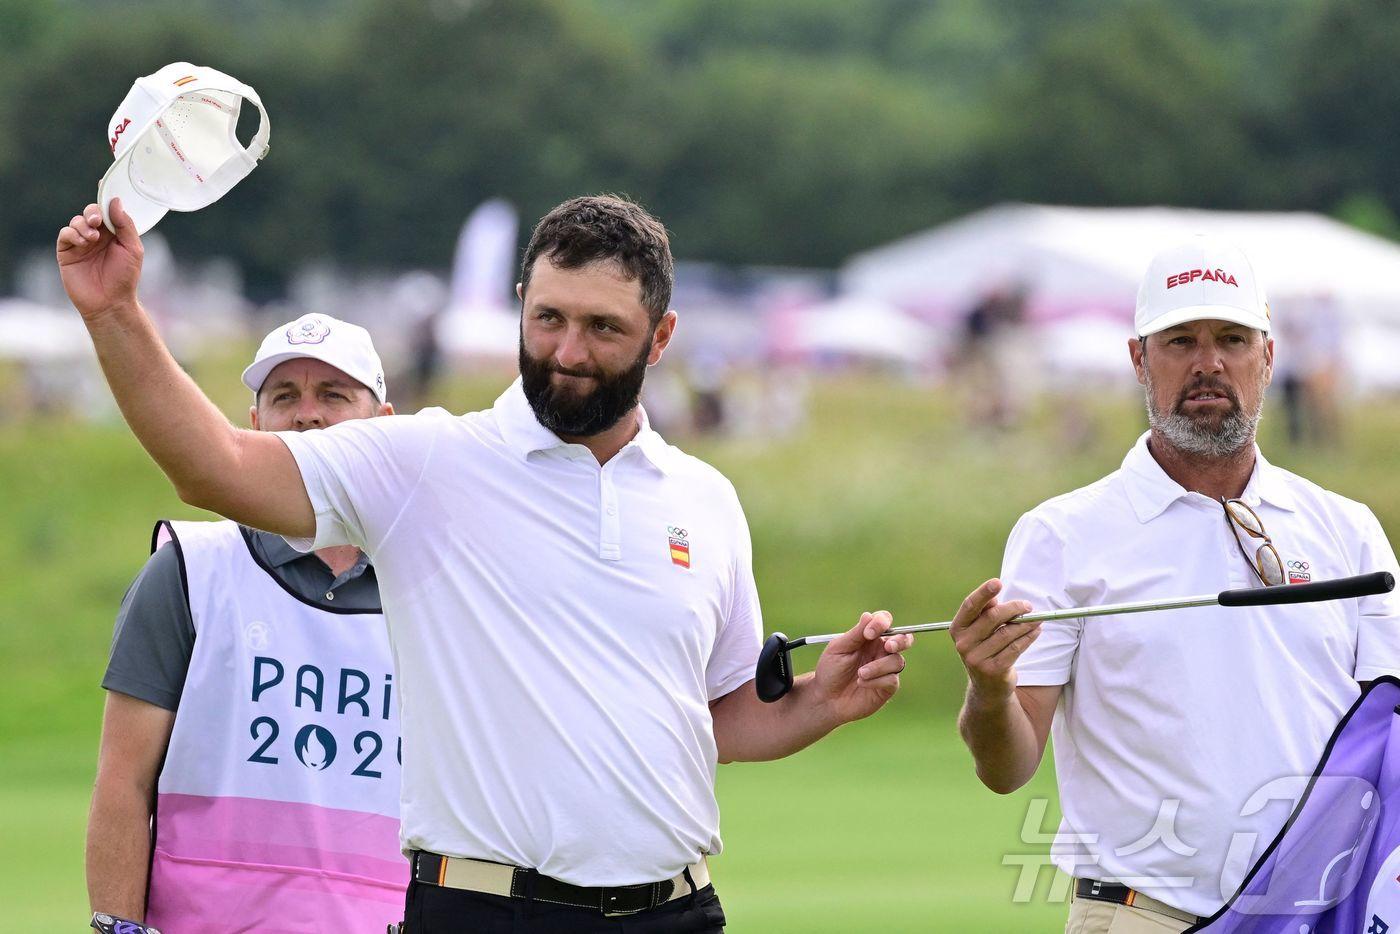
(1205, 275)
(112, 143)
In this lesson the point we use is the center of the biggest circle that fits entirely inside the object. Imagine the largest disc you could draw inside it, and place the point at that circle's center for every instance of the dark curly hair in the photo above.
(607, 227)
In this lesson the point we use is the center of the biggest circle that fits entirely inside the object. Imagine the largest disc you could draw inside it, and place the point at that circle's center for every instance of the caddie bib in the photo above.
(278, 800)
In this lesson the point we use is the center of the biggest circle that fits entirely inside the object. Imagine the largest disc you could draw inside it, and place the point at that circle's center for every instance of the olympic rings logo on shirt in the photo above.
(1299, 566)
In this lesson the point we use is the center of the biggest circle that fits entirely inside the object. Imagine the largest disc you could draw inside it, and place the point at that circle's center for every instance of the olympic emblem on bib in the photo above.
(315, 747)
(257, 635)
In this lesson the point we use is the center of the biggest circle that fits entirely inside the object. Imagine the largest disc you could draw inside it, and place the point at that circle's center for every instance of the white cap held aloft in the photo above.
(1203, 278)
(175, 146)
(345, 346)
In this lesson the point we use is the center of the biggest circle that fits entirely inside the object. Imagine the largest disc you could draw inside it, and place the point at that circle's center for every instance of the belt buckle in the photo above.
(604, 898)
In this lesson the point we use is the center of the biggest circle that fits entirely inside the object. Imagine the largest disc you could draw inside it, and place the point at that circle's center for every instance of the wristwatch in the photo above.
(109, 924)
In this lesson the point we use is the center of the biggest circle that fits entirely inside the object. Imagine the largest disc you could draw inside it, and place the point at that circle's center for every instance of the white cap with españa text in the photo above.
(1200, 279)
(174, 146)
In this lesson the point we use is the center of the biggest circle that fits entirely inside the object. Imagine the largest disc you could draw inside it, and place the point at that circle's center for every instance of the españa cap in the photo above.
(174, 145)
(1201, 278)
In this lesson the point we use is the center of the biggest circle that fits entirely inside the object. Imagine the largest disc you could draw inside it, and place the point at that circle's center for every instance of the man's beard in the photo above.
(1196, 434)
(566, 412)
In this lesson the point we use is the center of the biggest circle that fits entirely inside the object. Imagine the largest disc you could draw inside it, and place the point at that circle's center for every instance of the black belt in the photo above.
(529, 884)
(1098, 891)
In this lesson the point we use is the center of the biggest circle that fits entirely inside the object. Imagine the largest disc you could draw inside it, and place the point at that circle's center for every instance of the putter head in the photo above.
(773, 679)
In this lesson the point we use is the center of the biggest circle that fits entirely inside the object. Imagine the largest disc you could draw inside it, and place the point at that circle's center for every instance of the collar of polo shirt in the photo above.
(276, 549)
(524, 434)
(1151, 491)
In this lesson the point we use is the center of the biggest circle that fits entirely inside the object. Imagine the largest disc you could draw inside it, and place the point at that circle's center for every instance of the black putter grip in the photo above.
(1342, 588)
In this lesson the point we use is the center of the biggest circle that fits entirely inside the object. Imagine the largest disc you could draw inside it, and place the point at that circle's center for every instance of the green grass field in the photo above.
(885, 500)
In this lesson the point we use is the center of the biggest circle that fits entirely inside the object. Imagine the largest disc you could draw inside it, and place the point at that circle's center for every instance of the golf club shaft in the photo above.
(773, 676)
(1074, 612)
(1359, 585)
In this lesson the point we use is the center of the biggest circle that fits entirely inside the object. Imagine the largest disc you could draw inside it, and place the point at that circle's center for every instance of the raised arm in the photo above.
(247, 476)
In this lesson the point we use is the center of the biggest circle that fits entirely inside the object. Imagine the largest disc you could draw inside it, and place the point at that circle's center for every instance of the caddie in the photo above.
(248, 777)
(570, 599)
(1181, 739)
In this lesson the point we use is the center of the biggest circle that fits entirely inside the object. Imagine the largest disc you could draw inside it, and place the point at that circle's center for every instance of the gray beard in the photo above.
(1237, 429)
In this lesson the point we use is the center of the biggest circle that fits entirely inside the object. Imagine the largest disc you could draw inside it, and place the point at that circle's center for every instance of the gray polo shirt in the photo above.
(154, 635)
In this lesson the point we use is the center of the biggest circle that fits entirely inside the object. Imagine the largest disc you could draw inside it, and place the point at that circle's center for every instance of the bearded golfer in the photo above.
(570, 600)
(1176, 735)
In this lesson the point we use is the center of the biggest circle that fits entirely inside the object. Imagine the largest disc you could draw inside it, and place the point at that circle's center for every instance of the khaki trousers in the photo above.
(1087, 916)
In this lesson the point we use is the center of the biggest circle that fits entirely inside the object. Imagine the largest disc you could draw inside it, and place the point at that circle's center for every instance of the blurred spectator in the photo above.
(425, 361)
(709, 373)
(1308, 368)
(989, 355)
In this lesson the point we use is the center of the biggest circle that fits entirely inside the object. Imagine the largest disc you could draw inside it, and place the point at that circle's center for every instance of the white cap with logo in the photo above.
(345, 346)
(174, 143)
(1201, 278)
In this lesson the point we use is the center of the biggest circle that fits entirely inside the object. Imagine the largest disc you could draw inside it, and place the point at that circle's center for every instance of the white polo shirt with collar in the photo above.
(559, 629)
(1181, 736)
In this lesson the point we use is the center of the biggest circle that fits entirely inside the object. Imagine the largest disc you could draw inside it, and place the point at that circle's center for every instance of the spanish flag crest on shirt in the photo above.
(680, 546)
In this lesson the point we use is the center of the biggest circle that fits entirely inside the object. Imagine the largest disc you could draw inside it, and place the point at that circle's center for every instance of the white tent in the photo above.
(863, 329)
(37, 333)
(480, 332)
(1079, 263)
(51, 349)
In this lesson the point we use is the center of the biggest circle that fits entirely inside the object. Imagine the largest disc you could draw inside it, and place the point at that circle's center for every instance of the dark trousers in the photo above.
(433, 909)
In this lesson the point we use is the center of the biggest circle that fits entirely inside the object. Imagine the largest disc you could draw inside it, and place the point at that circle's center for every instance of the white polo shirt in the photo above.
(1172, 725)
(559, 630)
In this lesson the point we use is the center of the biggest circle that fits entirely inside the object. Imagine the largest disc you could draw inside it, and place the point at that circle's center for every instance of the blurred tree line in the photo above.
(786, 132)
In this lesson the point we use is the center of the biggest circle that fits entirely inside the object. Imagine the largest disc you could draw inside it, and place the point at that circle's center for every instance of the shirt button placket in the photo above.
(1237, 564)
(610, 542)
